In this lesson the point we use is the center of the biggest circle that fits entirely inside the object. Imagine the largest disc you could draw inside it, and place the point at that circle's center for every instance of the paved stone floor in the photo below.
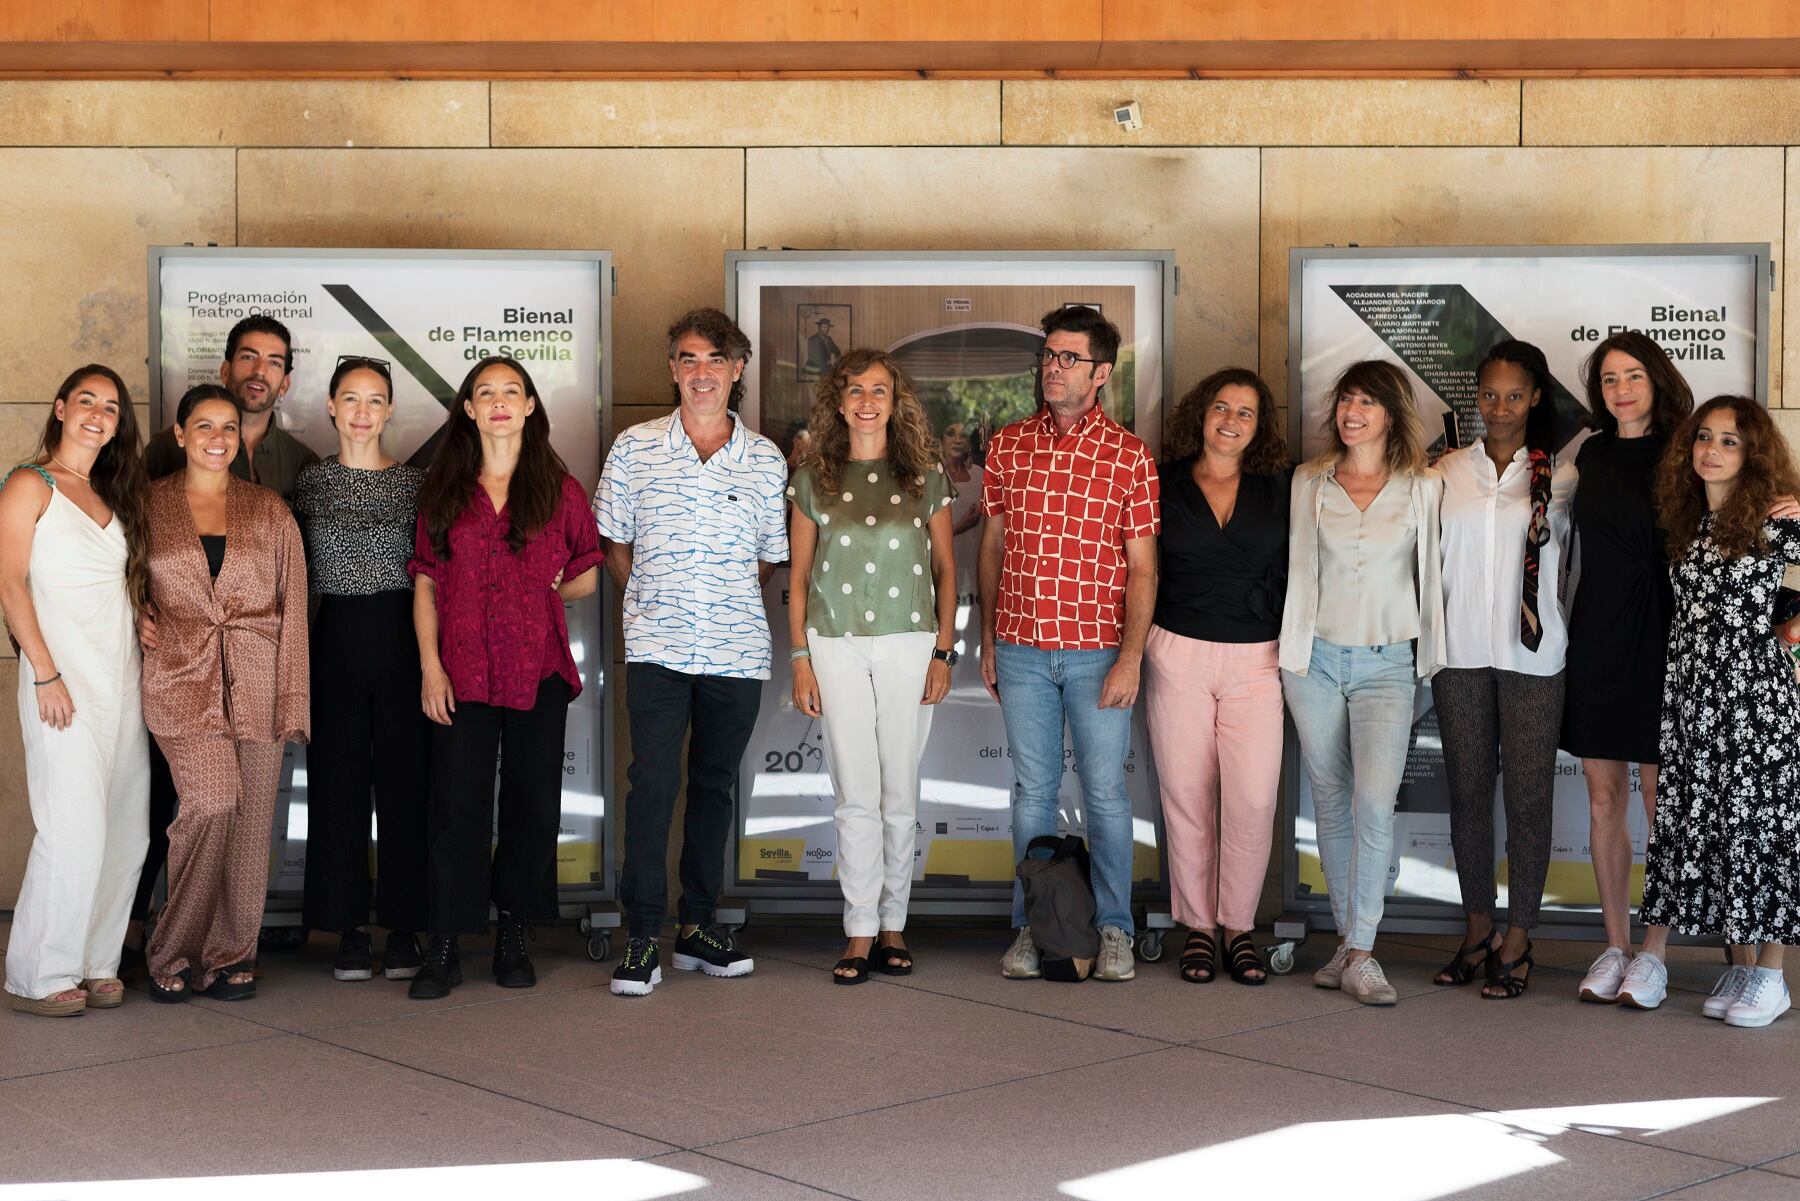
(950, 1083)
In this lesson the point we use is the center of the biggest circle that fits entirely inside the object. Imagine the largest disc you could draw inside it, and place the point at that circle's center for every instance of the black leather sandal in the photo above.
(1469, 960)
(1244, 958)
(859, 970)
(890, 961)
(1502, 976)
(1199, 957)
(222, 989)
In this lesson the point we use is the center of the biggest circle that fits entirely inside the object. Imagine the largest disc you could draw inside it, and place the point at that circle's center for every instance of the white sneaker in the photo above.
(1021, 959)
(1765, 998)
(1332, 974)
(1646, 983)
(1726, 991)
(1367, 983)
(1604, 976)
(1116, 961)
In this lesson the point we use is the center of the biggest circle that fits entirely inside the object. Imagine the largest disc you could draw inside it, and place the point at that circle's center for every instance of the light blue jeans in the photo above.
(1353, 709)
(1038, 690)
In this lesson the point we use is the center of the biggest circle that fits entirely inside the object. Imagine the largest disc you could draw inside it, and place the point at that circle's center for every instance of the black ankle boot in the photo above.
(512, 966)
(441, 972)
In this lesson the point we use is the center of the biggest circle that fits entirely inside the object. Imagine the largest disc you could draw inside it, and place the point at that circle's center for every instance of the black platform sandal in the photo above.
(222, 989)
(890, 961)
(170, 996)
(1469, 960)
(1199, 957)
(859, 970)
(1243, 958)
(1503, 976)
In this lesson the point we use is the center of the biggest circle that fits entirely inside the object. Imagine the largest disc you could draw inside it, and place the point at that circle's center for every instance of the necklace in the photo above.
(69, 469)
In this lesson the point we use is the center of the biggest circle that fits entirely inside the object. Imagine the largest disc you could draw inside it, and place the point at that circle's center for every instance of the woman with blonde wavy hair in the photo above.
(1364, 619)
(872, 623)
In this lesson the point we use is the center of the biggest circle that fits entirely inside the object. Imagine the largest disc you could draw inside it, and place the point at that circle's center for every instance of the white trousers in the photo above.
(875, 730)
(90, 800)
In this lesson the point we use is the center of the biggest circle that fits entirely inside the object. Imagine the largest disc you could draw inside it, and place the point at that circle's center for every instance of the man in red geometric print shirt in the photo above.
(1068, 584)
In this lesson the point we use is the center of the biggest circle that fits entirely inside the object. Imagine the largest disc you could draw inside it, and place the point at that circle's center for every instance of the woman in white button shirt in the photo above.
(1504, 533)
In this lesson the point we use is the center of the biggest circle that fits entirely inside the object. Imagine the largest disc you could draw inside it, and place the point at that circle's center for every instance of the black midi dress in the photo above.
(1619, 625)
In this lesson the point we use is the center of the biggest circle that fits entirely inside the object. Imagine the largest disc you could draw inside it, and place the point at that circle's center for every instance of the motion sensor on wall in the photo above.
(1129, 116)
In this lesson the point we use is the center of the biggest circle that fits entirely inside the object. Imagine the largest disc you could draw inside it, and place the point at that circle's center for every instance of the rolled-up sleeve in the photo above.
(423, 562)
(581, 531)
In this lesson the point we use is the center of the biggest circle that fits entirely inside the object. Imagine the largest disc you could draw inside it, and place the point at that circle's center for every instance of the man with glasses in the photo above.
(1068, 583)
(258, 367)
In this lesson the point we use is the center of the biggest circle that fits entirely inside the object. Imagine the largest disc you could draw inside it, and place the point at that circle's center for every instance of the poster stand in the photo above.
(1437, 310)
(965, 326)
(432, 314)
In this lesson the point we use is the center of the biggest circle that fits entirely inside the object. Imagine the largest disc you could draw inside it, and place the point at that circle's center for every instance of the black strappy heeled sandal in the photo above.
(1503, 976)
(1199, 955)
(1242, 958)
(1462, 969)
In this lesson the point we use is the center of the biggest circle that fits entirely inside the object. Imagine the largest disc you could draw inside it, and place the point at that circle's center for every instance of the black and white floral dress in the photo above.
(1725, 848)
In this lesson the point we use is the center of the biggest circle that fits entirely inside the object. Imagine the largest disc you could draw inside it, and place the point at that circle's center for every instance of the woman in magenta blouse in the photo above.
(504, 539)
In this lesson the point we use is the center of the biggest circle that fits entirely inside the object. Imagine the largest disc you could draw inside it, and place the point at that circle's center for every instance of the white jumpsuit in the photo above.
(90, 783)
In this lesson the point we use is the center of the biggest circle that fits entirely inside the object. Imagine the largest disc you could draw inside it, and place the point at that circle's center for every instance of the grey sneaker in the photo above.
(1116, 961)
(1021, 959)
(1366, 982)
(1727, 990)
(1646, 983)
(1332, 974)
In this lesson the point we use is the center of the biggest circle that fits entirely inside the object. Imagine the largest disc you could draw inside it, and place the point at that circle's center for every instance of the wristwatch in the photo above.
(950, 656)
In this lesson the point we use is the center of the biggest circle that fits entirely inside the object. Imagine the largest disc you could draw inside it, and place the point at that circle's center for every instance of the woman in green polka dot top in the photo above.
(872, 623)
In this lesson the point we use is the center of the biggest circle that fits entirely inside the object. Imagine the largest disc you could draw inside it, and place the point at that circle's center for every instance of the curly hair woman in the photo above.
(872, 630)
(1213, 687)
(1727, 830)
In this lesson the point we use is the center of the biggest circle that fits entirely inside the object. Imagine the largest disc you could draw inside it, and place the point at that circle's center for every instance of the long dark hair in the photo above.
(454, 474)
(1185, 435)
(1768, 472)
(1672, 401)
(118, 476)
(1540, 422)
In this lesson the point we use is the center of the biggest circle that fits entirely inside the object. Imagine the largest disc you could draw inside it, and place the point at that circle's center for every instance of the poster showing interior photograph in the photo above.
(967, 331)
(1437, 311)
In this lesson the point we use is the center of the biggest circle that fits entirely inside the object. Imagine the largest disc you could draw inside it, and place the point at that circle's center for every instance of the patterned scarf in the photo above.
(1531, 629)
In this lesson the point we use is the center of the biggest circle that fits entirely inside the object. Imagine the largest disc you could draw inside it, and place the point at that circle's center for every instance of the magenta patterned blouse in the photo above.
(501, 629)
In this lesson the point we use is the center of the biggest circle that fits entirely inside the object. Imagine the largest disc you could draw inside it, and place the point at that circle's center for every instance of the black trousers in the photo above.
(662, 704)
(469, 865)
(368, 733)
(162, 812)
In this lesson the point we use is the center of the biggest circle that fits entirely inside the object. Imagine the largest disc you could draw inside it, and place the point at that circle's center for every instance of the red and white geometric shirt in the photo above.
(1071, 503)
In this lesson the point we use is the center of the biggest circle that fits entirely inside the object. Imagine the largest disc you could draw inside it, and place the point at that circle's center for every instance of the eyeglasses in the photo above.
(364, 360)
(1066, 359)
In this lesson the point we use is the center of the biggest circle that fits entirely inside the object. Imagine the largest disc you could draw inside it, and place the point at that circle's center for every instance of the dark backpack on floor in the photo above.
(1059, 905)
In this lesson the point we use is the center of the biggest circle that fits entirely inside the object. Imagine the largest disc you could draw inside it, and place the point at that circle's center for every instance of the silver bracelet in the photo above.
(798, 653)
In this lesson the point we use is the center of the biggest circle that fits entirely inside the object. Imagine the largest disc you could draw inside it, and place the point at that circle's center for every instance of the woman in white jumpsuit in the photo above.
(72, 547)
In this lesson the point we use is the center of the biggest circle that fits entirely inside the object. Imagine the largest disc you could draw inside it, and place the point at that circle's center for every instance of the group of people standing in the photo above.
(1224, 587)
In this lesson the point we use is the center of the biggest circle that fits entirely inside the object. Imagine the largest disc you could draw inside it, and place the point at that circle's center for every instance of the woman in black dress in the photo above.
(1619, 624)
(1213, 687)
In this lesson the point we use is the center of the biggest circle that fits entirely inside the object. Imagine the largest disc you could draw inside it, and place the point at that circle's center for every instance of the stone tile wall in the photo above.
(669, 175)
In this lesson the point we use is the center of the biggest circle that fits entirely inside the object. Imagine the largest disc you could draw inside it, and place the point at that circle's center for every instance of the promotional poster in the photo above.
(1437, 312)
(432, 315)
(966, 329)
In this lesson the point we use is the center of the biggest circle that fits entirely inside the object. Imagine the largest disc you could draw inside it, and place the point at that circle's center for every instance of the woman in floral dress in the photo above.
(1725, 847)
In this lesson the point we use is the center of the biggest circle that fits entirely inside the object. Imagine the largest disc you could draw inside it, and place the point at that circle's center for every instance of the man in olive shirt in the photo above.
(258, 360)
